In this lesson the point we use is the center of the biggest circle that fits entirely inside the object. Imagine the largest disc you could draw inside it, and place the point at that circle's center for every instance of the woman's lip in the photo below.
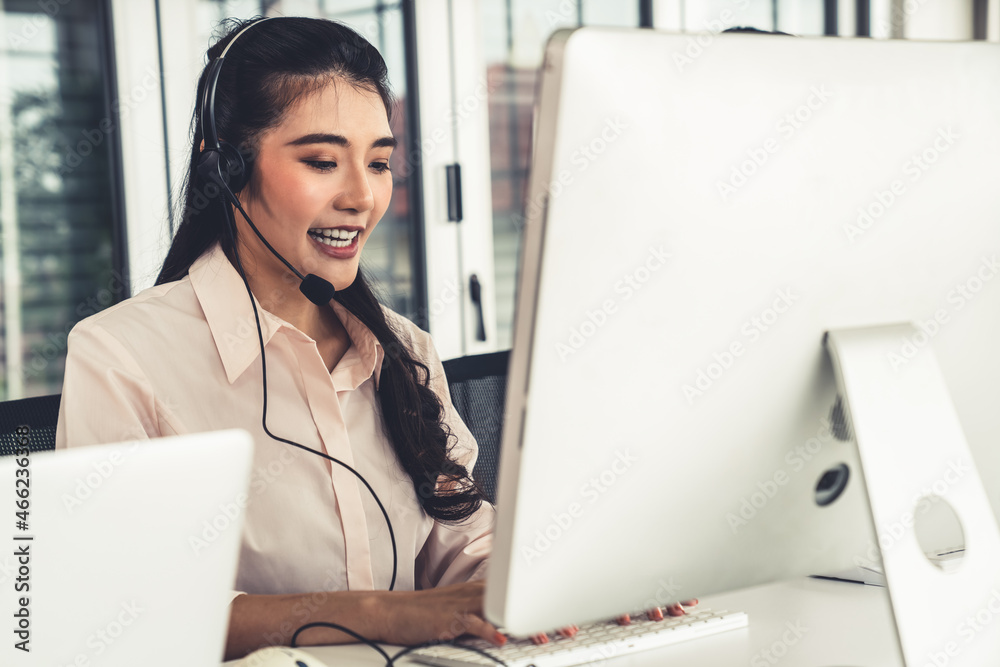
(345, 252)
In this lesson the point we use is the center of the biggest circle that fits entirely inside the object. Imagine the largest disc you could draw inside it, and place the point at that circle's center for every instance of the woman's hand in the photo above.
(543, 638)
(437, 614)
(654, 614)
(657, 614)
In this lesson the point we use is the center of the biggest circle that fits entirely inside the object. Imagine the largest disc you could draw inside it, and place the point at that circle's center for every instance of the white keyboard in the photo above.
(599, 641)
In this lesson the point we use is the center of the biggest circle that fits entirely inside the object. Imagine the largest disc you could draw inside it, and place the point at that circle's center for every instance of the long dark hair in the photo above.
(264, 72)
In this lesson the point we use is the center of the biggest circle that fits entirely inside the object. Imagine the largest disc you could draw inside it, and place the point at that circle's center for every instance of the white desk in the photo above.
(826, 623)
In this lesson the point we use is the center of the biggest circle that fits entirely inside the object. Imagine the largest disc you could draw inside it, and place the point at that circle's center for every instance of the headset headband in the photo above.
(208, 130)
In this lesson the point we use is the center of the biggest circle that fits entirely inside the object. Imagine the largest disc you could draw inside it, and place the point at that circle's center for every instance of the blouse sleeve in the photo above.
(458, 552)
(106, 397)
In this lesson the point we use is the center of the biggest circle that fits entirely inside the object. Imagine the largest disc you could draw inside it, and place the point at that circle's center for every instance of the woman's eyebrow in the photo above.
(339, 140)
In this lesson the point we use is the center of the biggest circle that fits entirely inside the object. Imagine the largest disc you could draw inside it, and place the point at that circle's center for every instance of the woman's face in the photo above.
(323, 183)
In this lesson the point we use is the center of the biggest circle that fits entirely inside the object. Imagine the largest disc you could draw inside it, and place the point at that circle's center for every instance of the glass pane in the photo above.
(712, 14)
(515, 32)
(331, 8)
(389, 253)
(800, 17)
(611, 12)
(56, 210)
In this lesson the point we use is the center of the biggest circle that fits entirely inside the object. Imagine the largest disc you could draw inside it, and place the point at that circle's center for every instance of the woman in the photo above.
(309, 101)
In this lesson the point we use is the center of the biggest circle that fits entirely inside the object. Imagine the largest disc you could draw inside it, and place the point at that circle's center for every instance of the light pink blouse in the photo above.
(184, 358)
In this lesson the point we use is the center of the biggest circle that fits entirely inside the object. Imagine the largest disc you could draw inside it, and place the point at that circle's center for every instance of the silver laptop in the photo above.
(123, 554)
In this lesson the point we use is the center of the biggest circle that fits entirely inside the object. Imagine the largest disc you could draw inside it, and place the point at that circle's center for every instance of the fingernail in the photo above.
(499, 639)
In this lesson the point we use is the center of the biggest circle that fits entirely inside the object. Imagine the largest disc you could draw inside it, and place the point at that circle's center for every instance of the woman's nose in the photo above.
(356, 194)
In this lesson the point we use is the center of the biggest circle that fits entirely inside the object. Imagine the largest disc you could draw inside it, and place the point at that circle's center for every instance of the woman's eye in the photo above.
(321, 165)
(380, 167)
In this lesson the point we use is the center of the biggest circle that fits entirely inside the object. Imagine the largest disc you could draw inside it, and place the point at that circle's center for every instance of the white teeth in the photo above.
(335, 243)
(334, 233)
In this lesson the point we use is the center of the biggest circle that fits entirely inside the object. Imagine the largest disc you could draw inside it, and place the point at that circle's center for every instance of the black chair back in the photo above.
(478, 385)
(38, 415)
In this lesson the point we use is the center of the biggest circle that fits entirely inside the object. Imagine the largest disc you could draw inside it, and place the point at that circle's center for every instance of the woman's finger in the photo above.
(474, 625)
(675, 609)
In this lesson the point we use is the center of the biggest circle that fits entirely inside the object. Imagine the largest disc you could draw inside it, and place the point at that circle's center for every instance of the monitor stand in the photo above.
(908, 437)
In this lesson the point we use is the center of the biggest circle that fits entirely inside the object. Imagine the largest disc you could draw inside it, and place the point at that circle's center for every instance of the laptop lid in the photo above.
(123, 554)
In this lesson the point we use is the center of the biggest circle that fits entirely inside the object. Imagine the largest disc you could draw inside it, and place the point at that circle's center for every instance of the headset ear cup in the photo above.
(208, 166)
(232, 167)
(222, 165)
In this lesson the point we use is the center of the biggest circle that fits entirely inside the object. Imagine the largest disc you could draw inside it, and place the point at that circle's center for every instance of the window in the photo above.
(515, 32)
(58, 176)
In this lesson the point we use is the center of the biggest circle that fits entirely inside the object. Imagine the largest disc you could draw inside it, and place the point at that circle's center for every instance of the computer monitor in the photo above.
(700, 215)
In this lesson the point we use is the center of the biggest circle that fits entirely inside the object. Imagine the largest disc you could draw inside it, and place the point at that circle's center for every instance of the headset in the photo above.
(221, 164)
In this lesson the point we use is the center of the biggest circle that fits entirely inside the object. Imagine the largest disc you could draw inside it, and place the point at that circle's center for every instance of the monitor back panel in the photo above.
(696, 221)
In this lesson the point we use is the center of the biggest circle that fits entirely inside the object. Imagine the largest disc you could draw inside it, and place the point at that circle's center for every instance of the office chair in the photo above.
(478, 386)
(39, 414)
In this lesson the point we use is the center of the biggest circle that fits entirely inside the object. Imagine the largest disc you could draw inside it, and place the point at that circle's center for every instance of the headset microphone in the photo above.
(318, 290)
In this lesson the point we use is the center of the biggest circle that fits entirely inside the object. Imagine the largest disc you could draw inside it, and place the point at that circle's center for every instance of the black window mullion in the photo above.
(418, 245)
(830, 18)
(116, 175)
(645, 13)
(980, 17)
(863, 18)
